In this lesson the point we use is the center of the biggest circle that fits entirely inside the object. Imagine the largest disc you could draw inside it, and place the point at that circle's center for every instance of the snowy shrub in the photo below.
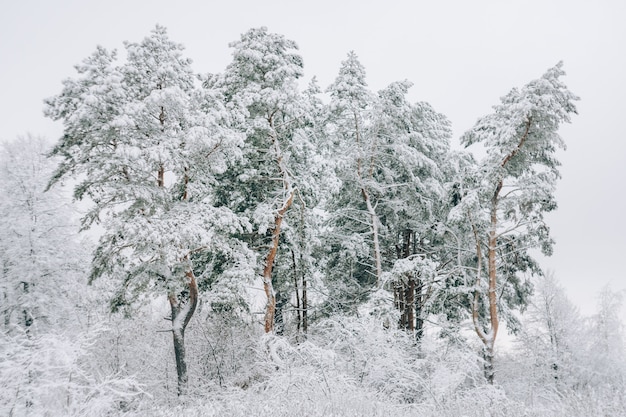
(53, 375)
(221, 349)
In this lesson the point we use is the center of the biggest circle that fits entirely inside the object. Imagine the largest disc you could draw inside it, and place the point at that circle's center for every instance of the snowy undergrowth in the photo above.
(347, 367)
(350, 367)
(54, 375)
(353, 367)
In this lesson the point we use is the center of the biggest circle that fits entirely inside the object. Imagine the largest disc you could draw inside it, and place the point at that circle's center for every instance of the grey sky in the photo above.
(461, 55)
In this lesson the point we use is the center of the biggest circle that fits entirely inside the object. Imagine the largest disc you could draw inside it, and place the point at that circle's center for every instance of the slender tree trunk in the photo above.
(491, 257)
(488, 337)
(374, 224)
(279, 319)
(296, 286)
(485, 337)
(181, 362)
(7, 312)
(489, 362)
(26, 313)
(410, 304)
(270, 310)
(554, 338)
(368, 202)
(419, 310)
(268, 286)
(409, 298)
(305, 306)
(161, 176)
(401, 304)
(182, 311)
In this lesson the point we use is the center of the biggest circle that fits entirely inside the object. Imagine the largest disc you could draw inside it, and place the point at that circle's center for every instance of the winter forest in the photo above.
(251, 243)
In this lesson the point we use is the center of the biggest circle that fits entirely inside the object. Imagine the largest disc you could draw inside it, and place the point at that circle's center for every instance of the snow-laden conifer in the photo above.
(145, 142)
(513, 186)
(276, 174)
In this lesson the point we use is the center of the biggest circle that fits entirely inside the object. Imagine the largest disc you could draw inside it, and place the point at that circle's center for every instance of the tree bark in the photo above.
(368, 202)
(270, 310)
(305, 306)
(409, 304)
(491, 266)
(181, 315)
(296, 286)
(408, 293)
(419, 310)
(400, 303)
(489, 363)
(374, 224)
(482, 335)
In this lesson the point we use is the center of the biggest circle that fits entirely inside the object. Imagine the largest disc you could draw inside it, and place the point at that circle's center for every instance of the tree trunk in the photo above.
(279, 319)
(488, 367)
(484, 337)
(374, 224)
(491, 253)
(368, 202)
(296, 286)
(305, 303)
(409, 304)
(409, 292)
(419, 310)
(181, 363)
(182, 311)
(400, 295)
(270, 310)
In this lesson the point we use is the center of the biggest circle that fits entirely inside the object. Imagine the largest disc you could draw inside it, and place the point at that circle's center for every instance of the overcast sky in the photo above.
(462, 56)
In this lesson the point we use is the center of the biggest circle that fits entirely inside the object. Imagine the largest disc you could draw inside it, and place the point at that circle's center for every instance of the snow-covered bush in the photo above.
(54, 375)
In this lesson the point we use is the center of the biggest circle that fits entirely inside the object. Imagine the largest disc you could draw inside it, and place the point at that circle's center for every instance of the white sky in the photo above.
(461, 55)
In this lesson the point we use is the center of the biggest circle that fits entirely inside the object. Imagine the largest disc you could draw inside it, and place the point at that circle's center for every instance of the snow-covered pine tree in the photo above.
(387, 154)
(145, 142)
(260, 90)
(513, 186)
(413, 142)
(357, 224)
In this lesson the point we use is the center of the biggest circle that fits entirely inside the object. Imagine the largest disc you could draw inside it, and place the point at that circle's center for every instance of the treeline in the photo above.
(346, 206)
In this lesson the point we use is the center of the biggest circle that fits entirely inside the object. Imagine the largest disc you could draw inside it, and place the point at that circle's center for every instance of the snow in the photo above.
(356, 189)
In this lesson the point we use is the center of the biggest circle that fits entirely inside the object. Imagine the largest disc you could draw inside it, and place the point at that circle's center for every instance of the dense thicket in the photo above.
(320, 251)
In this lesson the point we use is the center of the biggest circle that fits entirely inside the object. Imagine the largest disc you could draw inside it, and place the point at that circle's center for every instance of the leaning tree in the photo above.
(504, 198)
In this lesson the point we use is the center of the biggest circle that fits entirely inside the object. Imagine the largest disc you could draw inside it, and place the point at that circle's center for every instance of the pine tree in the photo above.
(259, 88)
(414, 143)
(145, 143)
(508, 194)
(387, 156)
(357, 230)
